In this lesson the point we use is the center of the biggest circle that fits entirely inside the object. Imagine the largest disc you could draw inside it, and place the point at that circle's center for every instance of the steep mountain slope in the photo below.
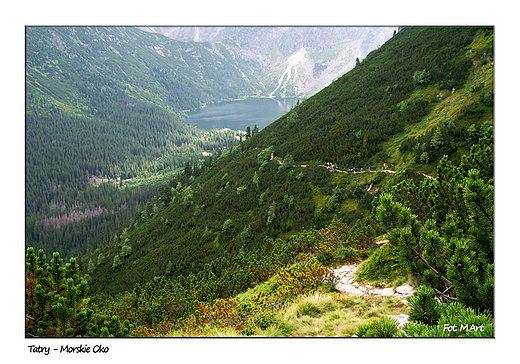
(348, 120)
(281, 180)
(104, 108)
(288, 61)
(104, 104)
(176, 75)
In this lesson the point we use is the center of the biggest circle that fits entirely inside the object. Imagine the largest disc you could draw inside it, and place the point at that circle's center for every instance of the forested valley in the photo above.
(400, 149)
(104, 131)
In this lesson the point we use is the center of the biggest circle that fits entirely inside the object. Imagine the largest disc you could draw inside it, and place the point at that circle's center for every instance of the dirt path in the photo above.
(354, 171)
(348, 285)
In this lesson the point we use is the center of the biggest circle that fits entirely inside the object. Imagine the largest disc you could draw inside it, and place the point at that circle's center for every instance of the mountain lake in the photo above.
(239, 114)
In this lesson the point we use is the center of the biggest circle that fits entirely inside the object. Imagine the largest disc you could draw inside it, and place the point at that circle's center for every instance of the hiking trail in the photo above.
(348, 285)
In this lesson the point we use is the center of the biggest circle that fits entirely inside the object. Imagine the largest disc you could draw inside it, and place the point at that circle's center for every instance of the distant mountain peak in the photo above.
(288, 61)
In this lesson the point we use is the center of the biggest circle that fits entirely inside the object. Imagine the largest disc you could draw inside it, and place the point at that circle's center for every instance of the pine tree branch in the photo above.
(437, 273)
(443, 295)
(447, 289)
(422, 258)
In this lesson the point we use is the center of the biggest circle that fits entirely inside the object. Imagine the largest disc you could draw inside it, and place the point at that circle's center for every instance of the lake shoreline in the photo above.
(241, 99)
(238, 114)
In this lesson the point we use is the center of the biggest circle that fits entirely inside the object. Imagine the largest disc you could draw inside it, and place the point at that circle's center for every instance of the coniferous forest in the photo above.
(92, 118)
(156, 228)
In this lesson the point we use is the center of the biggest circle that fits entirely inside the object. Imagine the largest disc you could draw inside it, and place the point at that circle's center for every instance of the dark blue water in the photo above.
(238, 115)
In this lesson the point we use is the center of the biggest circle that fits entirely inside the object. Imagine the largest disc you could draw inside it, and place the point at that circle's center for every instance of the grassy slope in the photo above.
(449, 103)
(319, 314)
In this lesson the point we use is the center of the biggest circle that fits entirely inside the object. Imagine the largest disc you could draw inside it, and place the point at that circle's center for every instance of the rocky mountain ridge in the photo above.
(288, 61)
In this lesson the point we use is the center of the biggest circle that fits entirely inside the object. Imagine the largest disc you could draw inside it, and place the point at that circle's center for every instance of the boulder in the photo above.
(401, 320)
(387, 292)
(405, 290)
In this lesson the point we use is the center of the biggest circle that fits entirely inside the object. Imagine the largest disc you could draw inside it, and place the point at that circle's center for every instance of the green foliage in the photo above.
(471, 111)
(424, 307)
(355, 190)
(383, 327)
(263, 197)
(383, 264)
(126, 250)
(265, 155)
(327, 123)
(291, 267)
(434, 144)
(228, 225)
(103, 133)
(444, 228)
(271, 214)
(56, 303)
(265, 316)
(347, 122)
(487, 99)
(220, 312)
(91, 266)
(215, 229)
(347, 254)
(103, 326)
(288, 162)
(305, 275)
(421, 78)
(456, 320)
(117, 262)
(246, 235)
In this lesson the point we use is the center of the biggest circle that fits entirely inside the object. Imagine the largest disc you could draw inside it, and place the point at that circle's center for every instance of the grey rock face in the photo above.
(288, 61)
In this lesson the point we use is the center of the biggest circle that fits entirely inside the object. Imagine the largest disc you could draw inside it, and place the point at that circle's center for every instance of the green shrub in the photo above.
(476, 88)
(56, 303)
(355, 190)
(383, 264)
(228, 225)
(456, 320)
(248, 331)
(265, 317)
(423, 306)
(471, 111)
(487, 99)
(117, 262)
(347, 254)
(421, 77)
(126, 250)
(383, 327)
(465, 322)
